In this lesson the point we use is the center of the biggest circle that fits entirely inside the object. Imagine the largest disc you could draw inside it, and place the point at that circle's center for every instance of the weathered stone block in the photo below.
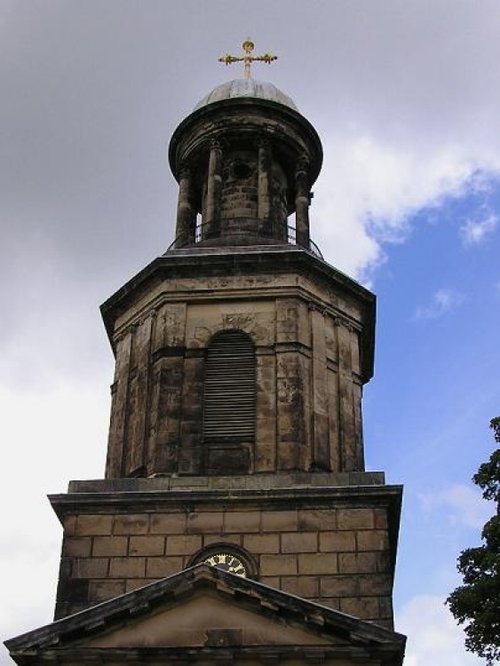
(297, 542)
(92, 567)
(168, 523)
(358, 562)
(339, 586)
(336, 542)
(317, 563)
(69, 524)
(317, 519)
(242, 521)
(102, 590)
(127, 567)
(262, 543)
(380, 517)
(373, 540)
(160, 567)
(131, 524)
(277, 521)
(183, 545)
(364, 607)
(385, 605)
(93, 524)
(146, 545)
(275, 565)
(204, 521)
(302, 586)
(209, 539)
(355, 519)
(77, 546)
(112, 545)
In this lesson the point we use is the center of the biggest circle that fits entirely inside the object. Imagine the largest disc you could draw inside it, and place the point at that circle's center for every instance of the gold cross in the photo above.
(247, 57)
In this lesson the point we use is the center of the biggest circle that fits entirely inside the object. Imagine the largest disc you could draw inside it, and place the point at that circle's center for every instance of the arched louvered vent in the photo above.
(229, 395)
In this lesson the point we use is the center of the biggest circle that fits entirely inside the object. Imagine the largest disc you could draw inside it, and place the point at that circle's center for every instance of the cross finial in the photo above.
(247, 58)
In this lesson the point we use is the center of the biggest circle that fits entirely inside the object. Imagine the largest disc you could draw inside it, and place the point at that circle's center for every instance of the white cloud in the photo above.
(371, 186)
(433, 635)
(442, 302)
(474, 231)
(458, 504)
(49, 436)
(411, 121)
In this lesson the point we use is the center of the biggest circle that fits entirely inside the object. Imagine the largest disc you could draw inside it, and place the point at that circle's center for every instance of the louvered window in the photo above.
(229, 392)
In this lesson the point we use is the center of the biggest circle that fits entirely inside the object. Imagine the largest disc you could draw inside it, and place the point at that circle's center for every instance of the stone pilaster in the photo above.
(320, 439)
(349, 399)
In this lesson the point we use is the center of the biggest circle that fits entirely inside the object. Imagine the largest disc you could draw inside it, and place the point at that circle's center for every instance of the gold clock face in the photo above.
(227, 562)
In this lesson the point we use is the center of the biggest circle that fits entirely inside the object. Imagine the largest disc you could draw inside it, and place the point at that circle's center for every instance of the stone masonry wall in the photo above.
(338, 557)
(308, 386)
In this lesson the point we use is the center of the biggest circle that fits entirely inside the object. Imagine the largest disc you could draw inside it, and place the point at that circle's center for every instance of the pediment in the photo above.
(200, 612)
(207, 618)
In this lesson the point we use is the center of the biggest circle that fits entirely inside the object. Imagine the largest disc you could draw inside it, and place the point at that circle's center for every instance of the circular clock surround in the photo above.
(227, 557)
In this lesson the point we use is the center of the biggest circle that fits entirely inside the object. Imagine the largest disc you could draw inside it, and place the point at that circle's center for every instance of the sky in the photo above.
(405, 96)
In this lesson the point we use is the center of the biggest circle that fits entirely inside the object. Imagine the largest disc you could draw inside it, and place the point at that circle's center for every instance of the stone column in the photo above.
(302, 202)
(214, 189)
(186, 215)
(264, 191)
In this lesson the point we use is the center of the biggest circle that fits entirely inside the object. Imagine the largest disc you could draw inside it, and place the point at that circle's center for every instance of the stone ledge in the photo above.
(248, 482)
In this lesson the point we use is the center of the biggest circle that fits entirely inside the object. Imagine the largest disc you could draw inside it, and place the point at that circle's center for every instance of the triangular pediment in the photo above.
(209, 618)
(201, 612)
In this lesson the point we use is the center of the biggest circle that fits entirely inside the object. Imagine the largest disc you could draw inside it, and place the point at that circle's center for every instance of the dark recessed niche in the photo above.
(241, 170)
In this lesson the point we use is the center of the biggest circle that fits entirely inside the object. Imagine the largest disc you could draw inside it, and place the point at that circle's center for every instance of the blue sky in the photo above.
(405, 97)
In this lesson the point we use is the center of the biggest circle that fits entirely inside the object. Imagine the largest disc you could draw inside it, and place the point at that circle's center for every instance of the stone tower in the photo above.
(236, 431)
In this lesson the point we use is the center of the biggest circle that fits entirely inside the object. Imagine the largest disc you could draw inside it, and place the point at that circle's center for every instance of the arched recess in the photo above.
(229, 403)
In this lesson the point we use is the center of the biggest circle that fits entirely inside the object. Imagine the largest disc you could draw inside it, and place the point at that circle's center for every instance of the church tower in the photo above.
(235, 456)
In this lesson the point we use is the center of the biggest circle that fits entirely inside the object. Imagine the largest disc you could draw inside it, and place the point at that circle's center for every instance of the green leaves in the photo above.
(476, 603)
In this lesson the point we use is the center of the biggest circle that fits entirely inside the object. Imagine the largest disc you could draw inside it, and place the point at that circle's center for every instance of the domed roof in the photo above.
(246, 88)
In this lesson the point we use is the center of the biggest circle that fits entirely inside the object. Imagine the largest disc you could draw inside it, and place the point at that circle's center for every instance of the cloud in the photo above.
(464, 505)
(474, 231)
(433, 635)
(442, 302)
(51, 436)
(410, 124)
(372, 187)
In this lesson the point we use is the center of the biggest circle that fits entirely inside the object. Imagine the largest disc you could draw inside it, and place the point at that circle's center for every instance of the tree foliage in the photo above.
(476, 603)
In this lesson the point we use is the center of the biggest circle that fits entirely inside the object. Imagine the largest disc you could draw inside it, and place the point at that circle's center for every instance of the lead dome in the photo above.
(247, 88)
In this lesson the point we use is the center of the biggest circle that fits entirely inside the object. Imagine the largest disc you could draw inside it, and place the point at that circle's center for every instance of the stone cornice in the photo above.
(188, 498)
(256, 260)
(106, 500)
